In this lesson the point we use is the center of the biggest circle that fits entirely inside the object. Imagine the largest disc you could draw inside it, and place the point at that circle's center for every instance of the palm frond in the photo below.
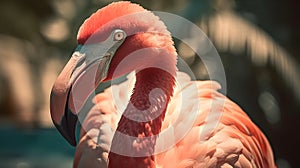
(232, 33)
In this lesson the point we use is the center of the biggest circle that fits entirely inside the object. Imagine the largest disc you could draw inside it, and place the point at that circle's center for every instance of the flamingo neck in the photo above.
(142, 119)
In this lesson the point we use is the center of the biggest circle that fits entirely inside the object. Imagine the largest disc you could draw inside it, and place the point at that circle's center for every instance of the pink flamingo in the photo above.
(111, 46)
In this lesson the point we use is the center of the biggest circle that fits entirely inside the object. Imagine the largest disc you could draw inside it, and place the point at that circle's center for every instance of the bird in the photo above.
(158, 117)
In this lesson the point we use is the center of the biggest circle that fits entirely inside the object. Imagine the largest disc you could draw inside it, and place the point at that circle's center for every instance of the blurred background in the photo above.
(258, 41)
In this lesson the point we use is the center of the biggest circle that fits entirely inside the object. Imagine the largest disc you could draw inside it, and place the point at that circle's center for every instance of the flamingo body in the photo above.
(235, 142)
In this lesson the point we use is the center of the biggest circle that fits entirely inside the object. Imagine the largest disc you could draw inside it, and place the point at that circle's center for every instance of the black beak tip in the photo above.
(67, 127)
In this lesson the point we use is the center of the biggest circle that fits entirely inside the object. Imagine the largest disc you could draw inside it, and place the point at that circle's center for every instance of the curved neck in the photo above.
(142, 119)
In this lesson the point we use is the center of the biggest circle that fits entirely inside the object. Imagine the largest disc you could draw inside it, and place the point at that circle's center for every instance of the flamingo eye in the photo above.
(118, 36)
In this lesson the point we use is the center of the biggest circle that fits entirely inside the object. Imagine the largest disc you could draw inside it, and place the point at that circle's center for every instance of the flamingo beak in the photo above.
(85, 70)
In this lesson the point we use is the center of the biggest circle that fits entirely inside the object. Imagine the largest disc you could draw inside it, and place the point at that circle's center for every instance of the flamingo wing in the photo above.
(235, 141)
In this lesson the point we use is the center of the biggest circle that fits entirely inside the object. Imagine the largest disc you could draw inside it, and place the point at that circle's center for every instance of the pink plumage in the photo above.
(235, 141)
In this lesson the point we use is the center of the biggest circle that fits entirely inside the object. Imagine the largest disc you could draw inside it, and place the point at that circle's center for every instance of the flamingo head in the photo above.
(117, 39)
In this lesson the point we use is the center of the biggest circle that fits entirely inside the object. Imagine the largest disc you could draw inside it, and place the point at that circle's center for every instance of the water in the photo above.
(38, 148)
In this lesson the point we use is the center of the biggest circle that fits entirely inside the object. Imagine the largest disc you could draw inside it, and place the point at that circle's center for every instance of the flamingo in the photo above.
(139, 122)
